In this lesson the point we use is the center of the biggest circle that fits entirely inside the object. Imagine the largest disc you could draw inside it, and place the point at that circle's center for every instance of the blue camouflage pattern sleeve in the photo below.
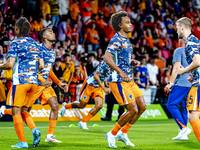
(113, 45)
(12, 52)
(192, 49)
(100, 68)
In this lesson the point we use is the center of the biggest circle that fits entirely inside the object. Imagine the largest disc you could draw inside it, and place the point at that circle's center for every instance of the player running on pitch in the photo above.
(92, 87)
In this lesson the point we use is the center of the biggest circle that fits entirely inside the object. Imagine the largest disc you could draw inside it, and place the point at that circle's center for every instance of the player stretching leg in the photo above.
(23, 57)
(46, 95)
(179, 92)
(119, 57)
(92, 87)
(192, 51)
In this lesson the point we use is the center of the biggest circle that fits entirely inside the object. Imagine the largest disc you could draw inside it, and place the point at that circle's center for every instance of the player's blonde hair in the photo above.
(185, 21)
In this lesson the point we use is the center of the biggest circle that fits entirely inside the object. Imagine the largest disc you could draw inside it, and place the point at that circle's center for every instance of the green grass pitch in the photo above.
(146, 135)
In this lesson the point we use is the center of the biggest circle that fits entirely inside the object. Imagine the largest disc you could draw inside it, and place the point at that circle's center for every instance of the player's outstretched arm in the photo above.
(193, 66)
(97, 78)
(54, 78)
(41, 64)
(108, 60)
(9, 64)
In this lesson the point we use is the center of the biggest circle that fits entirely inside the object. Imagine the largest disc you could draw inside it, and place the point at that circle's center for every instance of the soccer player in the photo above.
(179, 86)
(118, 56)
(47, 95)
(23, 56)
(184, 26)
(92, 87)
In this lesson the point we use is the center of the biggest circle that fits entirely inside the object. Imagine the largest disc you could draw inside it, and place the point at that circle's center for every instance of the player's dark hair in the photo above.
(23, 25)
(42, 33)
(116, 19)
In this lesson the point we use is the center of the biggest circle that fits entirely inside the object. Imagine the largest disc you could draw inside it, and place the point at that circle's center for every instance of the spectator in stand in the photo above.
(176, 7)
(170, 25)
(68, 69)
(54, 12)
(148, 37)
(75, 35)
(38, 25)
(153, 79)
(137, 78)
(74, 9)
(94, 6)
(164, 80)
(69, 29)
(92, 37)
(75, 81)
(45, 8)
(48, 23)
(83, 70)
(79, 27)
(90, 68)
(106, 10)
(73, 59)
(86, 10)
(2, 56)
(160, 61)
(142, 5)
(63, 8)
(109, 32)
(99, 54)
(144, 77)
(62, 30)
(58, 72)
(58, 53)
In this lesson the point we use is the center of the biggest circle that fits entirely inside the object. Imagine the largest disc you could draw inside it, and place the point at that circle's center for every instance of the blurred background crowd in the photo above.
(83, 31)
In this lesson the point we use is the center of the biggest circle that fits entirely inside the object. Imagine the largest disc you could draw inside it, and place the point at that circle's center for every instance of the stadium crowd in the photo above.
(83, 31)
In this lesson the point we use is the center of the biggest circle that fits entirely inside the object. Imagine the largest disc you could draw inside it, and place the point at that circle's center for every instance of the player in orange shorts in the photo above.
(118, 56)
(192, 53)
(23, 56)
(47, 95)
(92, 87)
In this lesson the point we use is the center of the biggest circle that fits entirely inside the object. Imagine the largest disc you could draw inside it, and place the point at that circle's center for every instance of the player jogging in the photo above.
(118, 56)
(92, 87)
(184, 26)
(47, 95)
(177, 100)
(23, 56)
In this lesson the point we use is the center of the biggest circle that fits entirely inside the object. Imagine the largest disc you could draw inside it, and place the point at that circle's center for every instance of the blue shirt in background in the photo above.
(179, 56)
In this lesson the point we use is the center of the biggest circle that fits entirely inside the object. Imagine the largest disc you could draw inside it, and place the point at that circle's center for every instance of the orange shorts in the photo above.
(88, 91)
(193, 100)
(125, 92)
(21, 95)
(44, 94)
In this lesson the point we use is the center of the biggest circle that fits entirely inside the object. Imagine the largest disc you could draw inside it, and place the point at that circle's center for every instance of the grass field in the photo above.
(146, 135)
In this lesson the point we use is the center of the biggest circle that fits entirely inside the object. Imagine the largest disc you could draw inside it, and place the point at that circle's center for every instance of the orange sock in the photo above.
(28, 120)
(87, 118)
(126, 127)
(8, 112)
(196, 128)
(115, 129)
(52, 125)
(68, 105)
(19, 127)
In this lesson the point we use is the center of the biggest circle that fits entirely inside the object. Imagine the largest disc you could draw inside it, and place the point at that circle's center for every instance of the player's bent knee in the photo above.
(98, 107)
(55, 107)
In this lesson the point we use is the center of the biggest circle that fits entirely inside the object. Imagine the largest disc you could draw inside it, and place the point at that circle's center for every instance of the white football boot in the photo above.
(124, 138)
(111, 140)
(83, 125)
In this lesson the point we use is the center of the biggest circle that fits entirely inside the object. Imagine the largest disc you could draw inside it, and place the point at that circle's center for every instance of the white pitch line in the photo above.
(89, 126)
